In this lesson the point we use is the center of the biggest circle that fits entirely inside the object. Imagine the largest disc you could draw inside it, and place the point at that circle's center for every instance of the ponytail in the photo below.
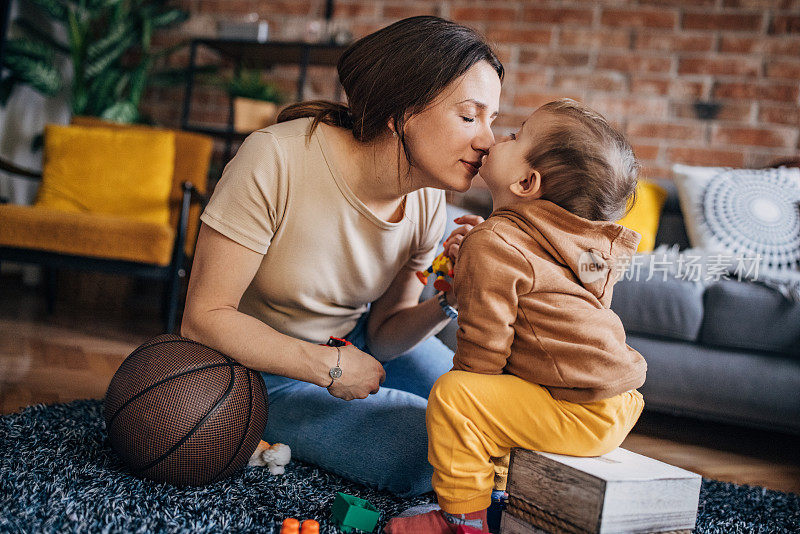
(331, 113)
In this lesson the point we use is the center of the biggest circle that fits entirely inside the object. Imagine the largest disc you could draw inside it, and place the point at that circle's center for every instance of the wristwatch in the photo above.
(448, 310)
(336, 371)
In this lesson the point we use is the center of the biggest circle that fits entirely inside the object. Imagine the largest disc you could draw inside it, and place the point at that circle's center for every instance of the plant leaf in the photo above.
(76, 40)
(248, 84)
(139, 82)
(102, 90)
(123, 82)
(80, 100)
(100, 64)
(37, 73)
(170, 18)
(29, 48)
(147, 34)
(34, 33)
(99, 5)
(114, 38)
(55, 8)
(121, 112)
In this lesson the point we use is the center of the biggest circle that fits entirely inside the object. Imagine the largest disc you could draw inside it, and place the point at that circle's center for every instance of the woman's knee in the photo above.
(404, 465)
(410, 476)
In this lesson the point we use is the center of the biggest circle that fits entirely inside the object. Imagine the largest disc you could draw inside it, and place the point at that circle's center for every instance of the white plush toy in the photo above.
(273, 456)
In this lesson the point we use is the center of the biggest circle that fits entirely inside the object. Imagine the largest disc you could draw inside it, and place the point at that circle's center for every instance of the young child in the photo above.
(542, 361)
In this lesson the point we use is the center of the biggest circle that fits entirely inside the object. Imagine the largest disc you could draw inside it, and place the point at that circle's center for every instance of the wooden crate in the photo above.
(618, 492)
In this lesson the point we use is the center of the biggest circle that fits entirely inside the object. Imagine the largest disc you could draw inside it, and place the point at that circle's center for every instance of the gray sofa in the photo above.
(729, 351)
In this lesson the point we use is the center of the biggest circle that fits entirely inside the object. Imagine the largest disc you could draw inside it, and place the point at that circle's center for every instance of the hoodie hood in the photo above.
(596, 252)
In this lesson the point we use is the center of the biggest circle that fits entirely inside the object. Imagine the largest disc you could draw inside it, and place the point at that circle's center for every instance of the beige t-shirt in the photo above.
(326, 254)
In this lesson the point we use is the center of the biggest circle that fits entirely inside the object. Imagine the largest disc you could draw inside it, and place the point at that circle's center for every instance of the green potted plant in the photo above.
(255, 101)
(108, 47)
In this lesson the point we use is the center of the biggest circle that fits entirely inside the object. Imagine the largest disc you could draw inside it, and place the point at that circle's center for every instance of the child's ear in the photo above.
(529, 187)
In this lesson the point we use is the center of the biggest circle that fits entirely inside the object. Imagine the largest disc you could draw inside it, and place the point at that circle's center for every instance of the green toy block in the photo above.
(349, 512)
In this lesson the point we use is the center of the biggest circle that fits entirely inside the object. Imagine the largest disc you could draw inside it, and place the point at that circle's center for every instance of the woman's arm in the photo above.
(398, 321)
(221, 272)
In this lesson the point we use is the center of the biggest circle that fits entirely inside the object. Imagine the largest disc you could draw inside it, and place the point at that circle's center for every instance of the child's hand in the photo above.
(453, 243)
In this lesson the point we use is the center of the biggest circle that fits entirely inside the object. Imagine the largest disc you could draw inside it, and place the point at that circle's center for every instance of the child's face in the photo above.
(505, 167)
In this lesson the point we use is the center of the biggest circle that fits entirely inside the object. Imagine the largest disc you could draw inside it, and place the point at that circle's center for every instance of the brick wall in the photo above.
(643, 64)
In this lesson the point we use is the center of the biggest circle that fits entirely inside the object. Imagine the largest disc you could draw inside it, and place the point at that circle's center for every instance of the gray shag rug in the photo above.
(58, 474)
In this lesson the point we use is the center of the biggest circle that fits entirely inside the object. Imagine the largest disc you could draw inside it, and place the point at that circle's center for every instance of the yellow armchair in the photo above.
(115, 198)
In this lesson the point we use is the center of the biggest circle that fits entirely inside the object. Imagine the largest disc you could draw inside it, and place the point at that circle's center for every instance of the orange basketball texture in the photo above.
(179, 412)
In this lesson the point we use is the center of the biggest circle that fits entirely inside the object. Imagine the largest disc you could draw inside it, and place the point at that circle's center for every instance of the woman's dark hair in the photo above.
(396, 70)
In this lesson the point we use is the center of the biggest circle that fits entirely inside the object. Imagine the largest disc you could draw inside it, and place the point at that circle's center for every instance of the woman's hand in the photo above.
(362, 374)
(453, 243)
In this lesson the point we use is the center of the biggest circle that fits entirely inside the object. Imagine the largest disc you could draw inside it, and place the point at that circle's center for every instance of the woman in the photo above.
(316, 229)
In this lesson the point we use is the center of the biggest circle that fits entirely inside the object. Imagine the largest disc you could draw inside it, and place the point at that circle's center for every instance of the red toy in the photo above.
(337, 342)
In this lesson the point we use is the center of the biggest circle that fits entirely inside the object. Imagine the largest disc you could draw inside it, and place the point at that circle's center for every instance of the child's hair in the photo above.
(587, 167)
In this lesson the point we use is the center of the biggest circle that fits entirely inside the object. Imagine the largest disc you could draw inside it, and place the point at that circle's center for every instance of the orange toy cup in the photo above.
(290, 526)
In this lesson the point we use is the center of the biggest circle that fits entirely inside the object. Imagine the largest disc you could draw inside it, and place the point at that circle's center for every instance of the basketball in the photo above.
(179, 412)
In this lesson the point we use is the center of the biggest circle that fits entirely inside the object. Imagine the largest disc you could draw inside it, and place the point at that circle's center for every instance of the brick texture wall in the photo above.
(643, 64)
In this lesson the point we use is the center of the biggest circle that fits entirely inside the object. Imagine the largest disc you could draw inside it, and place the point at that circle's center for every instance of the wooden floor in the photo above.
(100, 319)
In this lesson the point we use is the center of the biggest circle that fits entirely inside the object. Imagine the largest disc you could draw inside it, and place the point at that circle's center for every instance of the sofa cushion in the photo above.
(750, 316)
(730, 385)
(82, 234)
(123, 172)
(743, 211)
(670, 308)
(192, 159)
(643, 215)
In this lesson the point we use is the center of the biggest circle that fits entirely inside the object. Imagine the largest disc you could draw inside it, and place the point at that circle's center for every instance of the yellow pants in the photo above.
(473, 420)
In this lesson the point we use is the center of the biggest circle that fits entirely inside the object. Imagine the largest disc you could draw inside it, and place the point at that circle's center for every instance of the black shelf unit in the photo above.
(258, 55)
(5, 17)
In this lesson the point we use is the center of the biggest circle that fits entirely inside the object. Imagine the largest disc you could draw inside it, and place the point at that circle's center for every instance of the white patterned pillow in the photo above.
(743, 211)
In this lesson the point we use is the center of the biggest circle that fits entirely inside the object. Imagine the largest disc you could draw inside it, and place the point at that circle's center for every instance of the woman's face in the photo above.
(449, 139)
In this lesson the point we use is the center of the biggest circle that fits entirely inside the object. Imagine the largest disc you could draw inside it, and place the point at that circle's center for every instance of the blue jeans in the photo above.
(379, 441)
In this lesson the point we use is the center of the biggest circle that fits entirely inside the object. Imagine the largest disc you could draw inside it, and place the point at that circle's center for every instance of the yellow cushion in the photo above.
(645, 213)
(84, 234)
(127, 173)
(192, 159)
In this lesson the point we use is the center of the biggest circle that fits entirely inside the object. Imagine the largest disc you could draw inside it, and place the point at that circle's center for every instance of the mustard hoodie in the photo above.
(534, 284)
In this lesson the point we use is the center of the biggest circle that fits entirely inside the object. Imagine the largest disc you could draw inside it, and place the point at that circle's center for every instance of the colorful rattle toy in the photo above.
(442, 267)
